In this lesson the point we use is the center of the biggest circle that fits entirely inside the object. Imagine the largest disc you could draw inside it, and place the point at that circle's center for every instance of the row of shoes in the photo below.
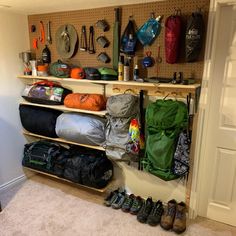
(172, 217)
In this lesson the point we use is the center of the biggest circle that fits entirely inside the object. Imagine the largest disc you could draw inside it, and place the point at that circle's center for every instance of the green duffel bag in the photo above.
(165, 119)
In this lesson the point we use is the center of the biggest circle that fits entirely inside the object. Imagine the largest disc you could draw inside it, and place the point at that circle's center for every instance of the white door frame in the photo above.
(199, 190)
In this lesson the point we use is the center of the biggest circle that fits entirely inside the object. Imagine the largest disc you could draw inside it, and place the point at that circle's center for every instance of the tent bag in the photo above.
(81, 128)
(39, 120)
(85, 101)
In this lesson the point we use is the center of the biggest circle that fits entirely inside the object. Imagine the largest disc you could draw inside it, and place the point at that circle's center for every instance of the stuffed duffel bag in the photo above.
(41, 155)
(92, 102)
(39, 120)
(45, 92)
(81, 128)
(88, 167)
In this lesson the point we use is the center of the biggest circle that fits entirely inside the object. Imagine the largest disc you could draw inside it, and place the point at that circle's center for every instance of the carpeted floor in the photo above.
(42, 207)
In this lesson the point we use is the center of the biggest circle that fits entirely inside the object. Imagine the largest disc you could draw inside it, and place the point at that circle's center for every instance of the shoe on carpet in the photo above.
(168, 216)
(179, 225)
(111, 198)
(154, 217)
(145, 210)
(128, 202)
(136, 205)
(117, 204)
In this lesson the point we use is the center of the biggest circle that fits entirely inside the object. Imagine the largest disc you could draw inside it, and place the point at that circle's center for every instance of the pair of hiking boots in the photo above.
(118, 199)
(151, 212)
(174, 217)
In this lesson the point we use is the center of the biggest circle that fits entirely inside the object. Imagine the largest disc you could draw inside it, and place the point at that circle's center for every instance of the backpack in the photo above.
(194, 36)
(122, 109)
(172, 38)
(129, 39)
(165, 119)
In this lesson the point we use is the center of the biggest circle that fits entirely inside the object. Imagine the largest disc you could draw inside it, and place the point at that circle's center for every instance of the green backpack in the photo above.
(165, 119)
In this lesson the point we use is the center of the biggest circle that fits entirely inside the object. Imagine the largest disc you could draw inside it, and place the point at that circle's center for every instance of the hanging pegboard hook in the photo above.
(152, 14)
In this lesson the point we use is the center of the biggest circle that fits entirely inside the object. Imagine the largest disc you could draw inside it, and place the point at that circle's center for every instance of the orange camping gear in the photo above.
(77, 73)
(84, 101)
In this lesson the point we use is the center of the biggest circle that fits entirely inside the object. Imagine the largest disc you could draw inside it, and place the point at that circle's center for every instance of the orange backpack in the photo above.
(92, 102)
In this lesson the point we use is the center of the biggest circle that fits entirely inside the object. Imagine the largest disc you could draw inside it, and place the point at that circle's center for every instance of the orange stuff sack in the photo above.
(92, 102)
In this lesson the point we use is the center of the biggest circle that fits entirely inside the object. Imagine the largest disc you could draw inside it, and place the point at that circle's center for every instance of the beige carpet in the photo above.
(41, 207)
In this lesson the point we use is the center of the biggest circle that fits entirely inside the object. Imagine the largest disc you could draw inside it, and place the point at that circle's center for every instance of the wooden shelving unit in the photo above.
(60, 140)
(66, 180)
(64, 108)
(141, 85)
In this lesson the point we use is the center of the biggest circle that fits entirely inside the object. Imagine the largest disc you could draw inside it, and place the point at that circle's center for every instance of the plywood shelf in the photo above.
(60, 140)
(66, 180)
(141, 85)
(64, 108)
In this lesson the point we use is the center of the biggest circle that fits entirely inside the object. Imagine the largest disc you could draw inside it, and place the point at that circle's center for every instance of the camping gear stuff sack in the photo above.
(88, 167)
(181, 157)
(81, 128)
(121, 110)
(92, 73)
(165, 119)
(39, 155)
(108, 73)
(173, 27)
(39, 120)
(85, 101)
(129, 39)
(45, 92)
(194, 36)
(59, 69)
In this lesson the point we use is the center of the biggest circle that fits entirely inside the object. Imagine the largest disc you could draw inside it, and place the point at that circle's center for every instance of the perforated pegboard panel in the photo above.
(140, 13)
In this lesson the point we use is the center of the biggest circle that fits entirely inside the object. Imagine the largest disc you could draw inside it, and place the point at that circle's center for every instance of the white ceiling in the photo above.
(29, 7)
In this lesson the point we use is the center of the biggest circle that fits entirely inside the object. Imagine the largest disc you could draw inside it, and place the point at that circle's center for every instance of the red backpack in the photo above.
(172, 38)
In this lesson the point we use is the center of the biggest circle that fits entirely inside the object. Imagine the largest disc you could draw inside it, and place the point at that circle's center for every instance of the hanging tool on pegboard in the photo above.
(83, 39)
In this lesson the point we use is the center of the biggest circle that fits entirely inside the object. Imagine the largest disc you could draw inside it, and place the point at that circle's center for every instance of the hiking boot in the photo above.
(168, 217)
(136, 206)
(179, 225)
(111, 198)
(145, 210)
(128, 202)
(155, 216)
(117, 204)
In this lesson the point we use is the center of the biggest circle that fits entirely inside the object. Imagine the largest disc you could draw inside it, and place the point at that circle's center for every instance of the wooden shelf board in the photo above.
(66, 180)
(60, 140)
(64, 108)
(114, 82)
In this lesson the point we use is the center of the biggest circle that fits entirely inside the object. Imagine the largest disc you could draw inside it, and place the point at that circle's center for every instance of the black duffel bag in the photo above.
(88, 167)
(39, 120)
(41, 155)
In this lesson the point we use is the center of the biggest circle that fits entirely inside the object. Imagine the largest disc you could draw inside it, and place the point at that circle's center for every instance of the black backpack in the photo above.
(194, 36)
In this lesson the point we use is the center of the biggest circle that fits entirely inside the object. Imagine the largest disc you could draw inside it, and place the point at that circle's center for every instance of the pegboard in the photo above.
(141, 13)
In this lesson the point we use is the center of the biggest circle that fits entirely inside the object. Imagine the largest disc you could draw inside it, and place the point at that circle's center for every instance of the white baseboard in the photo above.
(12, 183)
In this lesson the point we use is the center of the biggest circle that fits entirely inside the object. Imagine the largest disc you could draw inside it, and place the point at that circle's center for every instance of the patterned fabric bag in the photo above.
(181, 156)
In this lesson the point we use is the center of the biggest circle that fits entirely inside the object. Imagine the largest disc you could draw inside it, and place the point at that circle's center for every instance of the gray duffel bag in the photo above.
(81, 128)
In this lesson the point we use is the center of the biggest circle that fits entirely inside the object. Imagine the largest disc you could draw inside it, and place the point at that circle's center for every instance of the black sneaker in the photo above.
(117, 204)
(136, 206)
(145, 210)
(154, 217)
(128, 202)
(111, 198)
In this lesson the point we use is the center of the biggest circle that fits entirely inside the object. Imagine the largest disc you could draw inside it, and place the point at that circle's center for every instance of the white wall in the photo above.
(13, 40)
